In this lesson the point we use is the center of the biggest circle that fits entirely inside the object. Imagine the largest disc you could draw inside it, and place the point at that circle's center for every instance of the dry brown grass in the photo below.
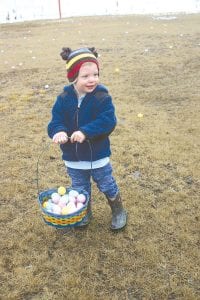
(156, 162)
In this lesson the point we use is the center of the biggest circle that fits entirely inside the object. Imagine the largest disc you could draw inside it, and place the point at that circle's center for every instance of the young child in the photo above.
(83, 117)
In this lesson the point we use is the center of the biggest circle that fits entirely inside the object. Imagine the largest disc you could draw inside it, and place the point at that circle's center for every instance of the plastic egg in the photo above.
(65, 210)
(61, 204)
(63, 201)
(73, 193)
(79, 205)
(49, 206)
(72, 199)
(44, 204)
(57, 209)
(65, 198)
(81, 198)
(55, 197)
(61, 190)
(140, 115)
(71, 208)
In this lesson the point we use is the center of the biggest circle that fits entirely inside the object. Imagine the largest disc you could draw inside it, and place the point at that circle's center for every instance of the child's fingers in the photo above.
(72, 138)
(55, 140)
(60, 138)
(77, 136)
(81, 139)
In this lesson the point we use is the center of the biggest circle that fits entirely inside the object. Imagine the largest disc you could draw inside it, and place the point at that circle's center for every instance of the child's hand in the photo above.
(60, 138)
(77, 136)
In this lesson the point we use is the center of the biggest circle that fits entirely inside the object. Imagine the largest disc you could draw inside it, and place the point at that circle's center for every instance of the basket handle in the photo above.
(47, 146)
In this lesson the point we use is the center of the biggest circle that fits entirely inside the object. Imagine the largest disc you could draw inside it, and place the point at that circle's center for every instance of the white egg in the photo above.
(79, 205)
(49, 206)
(65, 198)
(73, 193)
(56, 209)
(71, 207)
(72, 200)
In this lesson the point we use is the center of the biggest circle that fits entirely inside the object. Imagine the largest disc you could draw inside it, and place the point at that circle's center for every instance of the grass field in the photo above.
(152, 67)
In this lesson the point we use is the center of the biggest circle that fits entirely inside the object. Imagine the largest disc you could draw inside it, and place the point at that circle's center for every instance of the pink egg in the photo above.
(63, 201)
(55, 197)
(81, 198)
(61, 204)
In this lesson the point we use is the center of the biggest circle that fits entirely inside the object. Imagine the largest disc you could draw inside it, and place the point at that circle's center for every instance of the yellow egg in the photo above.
(61, 190)
(117, 70)
(69, 209)
(65, 210)
(44, 204)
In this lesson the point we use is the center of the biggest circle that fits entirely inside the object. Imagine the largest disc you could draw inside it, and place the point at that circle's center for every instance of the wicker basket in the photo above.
(62, 221)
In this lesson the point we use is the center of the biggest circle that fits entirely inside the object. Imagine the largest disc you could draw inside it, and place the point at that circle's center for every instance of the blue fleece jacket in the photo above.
(95, 118)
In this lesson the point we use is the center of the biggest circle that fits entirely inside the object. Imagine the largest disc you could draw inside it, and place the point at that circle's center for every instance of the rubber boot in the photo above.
(119, 214)
(88, 216)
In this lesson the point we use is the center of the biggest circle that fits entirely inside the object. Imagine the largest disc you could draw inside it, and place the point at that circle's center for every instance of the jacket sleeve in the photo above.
(105, 121)
(57, 123)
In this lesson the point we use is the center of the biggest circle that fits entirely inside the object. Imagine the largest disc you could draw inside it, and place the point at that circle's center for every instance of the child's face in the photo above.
(88, 78)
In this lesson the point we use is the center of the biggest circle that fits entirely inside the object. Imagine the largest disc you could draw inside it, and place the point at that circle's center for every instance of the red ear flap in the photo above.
(65, 53)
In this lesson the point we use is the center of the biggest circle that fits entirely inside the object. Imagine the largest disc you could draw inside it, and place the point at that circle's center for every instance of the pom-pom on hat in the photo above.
(74, 60)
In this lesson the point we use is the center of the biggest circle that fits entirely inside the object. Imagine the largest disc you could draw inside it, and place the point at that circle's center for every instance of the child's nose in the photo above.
(92, 78)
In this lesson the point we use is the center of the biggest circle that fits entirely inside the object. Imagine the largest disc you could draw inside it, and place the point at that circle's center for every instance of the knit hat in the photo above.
(75, 59)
